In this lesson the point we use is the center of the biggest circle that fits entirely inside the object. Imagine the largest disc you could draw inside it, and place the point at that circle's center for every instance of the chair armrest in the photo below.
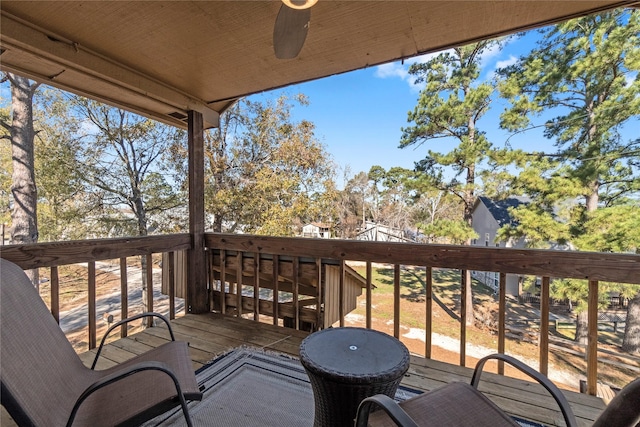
(561, 400)
(123, 373)
(390, 406)
(125, 321)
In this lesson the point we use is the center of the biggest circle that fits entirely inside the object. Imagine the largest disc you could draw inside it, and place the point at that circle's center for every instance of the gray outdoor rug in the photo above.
(250, 387)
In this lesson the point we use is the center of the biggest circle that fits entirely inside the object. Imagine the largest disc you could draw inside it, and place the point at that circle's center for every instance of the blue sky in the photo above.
(359, 115)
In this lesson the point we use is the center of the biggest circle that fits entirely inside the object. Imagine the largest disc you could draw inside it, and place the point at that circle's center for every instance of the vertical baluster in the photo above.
(171, 271)
(592, 342)
(341, 294)
(428, 327)
(92, 305)
(396, 301)
(124, 295)
(295, 284)
(319, 295)
(149, 274)
(256, 286)
(368, 295)
(223, 281)
(276, 291)
(212, 279)
(502, 312)
(544, 326)
(239, 259)
(55, 294)
(463, 317)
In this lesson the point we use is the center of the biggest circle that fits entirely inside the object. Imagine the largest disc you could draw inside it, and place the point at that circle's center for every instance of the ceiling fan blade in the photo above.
(290, 31)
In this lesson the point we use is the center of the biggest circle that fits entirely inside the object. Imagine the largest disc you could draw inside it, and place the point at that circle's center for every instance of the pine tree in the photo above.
(450, 106)
(584, 72)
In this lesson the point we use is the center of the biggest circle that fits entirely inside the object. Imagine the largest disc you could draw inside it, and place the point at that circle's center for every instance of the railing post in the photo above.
(55, 294)
(171, 271)
(463, 317)
(223, 281)
(368, 296)
(319, 296)
(240, 261)
(502, 314)
(295, 284)
(149, 274)
(396, 301)
(256, 286)
(341, 294)
(592, 340)
(428, 327)
(92, 304)
(544, 326)
(124, 295)
(276, 291)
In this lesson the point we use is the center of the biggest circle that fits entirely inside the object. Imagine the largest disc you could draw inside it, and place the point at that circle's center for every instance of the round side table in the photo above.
(346, 365)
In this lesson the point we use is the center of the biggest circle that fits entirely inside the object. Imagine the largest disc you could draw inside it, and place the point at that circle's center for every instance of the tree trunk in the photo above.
(469, 200)
(631, 340)
(141, 217)
(582, 328)
(23, 185)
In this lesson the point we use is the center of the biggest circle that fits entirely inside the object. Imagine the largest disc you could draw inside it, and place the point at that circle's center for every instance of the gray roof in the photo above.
(499, 209)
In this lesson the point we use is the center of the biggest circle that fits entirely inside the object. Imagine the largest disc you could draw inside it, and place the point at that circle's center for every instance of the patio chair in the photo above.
(624, 408)
(454, 405)
(44, 382)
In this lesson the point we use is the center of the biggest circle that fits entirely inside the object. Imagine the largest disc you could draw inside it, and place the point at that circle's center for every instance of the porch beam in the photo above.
(66, 64)
(197, 298)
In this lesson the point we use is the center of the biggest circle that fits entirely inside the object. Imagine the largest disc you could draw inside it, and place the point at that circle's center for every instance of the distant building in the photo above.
(381, 233)
(488, 216)
(317, 230)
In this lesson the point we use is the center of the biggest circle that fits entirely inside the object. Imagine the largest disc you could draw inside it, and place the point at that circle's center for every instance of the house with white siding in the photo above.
(488, 216)
(317, 230)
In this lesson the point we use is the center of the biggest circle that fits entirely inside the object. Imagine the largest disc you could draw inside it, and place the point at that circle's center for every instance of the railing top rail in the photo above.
(623, 268)
(36, 255)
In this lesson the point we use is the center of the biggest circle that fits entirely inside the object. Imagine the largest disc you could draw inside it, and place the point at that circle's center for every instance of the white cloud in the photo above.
(392, 69)
(490, 53)
(506, 62)
(400, 70)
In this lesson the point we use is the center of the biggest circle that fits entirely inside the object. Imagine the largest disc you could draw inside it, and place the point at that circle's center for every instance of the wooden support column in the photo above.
(197, 298)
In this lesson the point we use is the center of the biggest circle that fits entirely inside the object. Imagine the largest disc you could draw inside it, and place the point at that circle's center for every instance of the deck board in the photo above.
(212, 334)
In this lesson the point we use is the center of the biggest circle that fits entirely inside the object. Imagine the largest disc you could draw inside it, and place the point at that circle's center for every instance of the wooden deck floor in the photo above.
(212, 334)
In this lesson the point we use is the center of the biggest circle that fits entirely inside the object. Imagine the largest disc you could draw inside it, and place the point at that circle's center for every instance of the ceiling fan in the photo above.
(291, 27)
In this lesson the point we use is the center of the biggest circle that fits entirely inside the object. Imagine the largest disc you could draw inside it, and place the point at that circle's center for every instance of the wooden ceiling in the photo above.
(163, 58)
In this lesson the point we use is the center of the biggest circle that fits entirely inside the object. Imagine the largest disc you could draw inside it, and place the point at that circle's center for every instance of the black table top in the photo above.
(356, 355)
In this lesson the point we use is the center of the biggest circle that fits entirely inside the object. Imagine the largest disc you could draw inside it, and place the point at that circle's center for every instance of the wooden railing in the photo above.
(305, 267)
(54, 255)
(593, 267)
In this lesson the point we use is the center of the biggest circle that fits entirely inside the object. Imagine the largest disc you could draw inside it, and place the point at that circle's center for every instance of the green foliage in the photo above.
(265, 172)
(584, 72)
(578, 291)
(612, 229)
(585, 75)
(102, 171)
(449, 106)
(453, 232)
